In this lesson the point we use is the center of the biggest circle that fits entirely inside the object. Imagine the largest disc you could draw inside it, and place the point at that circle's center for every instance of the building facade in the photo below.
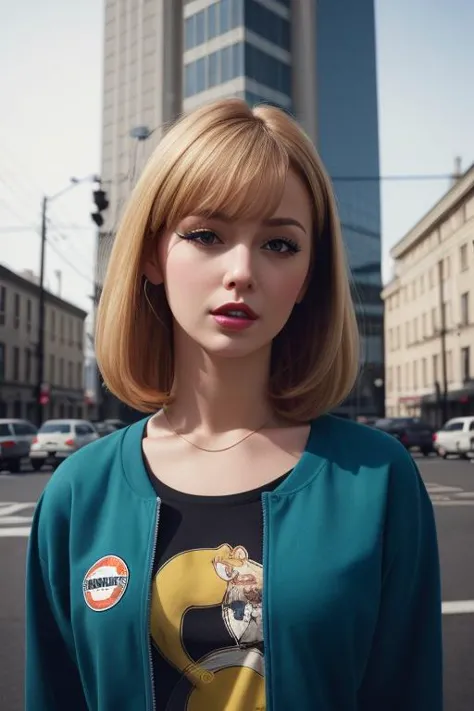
(165, 56)
(64, 351)
(429, 312)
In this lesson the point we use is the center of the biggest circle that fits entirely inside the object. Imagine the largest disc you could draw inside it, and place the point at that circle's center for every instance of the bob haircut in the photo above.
(226, 157)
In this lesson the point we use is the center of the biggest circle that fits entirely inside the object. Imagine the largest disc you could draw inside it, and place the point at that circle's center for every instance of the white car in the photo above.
(456, 437)
(58, 439)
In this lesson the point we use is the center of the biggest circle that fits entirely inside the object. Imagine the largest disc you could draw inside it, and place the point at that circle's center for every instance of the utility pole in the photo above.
(101, 203)
(41, 318)
(442, 333)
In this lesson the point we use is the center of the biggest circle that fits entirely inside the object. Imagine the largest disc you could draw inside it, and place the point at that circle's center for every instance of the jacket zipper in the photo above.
(148, 617)
(266, 624)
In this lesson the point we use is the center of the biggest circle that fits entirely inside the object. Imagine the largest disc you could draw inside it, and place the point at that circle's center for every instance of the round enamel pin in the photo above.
(105, 583)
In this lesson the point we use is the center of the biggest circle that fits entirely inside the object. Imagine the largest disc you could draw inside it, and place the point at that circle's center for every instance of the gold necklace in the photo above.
(205, 449)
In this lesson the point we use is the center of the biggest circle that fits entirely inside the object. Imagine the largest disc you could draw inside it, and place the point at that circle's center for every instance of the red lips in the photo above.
(227, 309)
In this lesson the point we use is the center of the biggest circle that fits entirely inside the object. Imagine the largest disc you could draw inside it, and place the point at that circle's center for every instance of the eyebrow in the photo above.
(270, 222)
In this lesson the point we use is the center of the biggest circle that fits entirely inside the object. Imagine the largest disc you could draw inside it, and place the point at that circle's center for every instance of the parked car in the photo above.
(104, 428)
(58, 439)
(456, 437)
(16, 437)
(413, 433)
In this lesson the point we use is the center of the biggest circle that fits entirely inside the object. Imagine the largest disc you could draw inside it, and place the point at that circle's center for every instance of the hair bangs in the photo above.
(239, 170)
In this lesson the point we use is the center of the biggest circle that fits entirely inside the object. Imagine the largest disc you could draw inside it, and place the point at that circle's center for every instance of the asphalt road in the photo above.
(451, 487)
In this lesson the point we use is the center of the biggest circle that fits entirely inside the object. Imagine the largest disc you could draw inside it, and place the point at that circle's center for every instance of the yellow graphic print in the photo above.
(230, 678)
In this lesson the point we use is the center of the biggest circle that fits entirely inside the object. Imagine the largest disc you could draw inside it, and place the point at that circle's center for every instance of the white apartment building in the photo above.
(427, 350)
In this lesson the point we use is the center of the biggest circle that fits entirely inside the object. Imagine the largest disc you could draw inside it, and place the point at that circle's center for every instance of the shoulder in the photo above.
(369, 452)
(90, 468)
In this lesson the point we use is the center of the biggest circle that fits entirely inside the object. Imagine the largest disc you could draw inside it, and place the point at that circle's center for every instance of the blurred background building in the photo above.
(314, 58)
(429, 312)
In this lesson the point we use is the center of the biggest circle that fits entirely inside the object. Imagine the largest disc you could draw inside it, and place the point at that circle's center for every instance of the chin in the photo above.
(230, 347)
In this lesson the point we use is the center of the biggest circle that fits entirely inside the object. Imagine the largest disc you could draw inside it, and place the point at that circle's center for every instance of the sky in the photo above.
(50, 123)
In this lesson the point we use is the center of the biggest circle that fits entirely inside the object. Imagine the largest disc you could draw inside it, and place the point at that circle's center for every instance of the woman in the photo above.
(239, 548)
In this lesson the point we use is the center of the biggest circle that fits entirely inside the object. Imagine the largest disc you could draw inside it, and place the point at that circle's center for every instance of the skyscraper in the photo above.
(314, 58)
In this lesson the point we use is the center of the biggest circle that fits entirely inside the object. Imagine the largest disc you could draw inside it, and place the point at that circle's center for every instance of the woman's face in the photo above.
(231, 285)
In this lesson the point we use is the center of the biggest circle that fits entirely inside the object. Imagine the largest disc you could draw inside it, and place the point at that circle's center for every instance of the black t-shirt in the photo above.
(206, 611)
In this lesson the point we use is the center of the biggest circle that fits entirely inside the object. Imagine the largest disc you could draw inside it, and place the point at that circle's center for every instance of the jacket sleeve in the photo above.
(404, 670)
(52, 680)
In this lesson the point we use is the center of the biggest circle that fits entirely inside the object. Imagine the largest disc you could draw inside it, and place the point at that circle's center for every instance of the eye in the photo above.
(203, 237)
(282, 246)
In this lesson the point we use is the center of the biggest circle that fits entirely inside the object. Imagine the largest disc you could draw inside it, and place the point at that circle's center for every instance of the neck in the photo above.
(214, 394)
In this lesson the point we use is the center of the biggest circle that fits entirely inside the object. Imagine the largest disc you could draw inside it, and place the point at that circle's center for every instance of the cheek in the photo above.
(287, 288)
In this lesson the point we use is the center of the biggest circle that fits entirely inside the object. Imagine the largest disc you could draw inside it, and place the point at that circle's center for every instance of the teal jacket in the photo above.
(351, 608)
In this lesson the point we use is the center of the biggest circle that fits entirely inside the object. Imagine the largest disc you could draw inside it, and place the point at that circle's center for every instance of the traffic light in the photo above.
(101, 202)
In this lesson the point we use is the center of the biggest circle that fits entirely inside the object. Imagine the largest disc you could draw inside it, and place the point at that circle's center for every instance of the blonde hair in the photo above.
(225, 157)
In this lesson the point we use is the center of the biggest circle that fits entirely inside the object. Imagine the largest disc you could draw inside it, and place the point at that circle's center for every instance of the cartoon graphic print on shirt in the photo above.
(231, 677)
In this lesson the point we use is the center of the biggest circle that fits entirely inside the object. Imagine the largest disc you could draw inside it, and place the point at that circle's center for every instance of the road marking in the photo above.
(442, 495)
(10, 520)
(16, 532)
(458, 607)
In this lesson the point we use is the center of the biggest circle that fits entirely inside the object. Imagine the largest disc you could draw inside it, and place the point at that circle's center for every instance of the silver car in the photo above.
(58, 439)
(16, 437)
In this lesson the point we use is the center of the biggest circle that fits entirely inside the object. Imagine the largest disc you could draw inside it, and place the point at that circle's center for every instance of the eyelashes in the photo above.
(208, 238)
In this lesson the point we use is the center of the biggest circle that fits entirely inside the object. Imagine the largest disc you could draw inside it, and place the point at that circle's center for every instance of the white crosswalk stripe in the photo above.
(15, 518)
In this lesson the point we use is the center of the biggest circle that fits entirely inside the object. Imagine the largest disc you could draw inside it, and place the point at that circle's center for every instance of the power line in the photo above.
(89, 279)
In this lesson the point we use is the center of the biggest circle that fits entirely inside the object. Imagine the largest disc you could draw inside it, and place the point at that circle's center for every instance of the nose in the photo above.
(240, 272)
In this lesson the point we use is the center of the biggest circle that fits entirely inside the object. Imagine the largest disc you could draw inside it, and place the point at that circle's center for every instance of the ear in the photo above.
(153, 272)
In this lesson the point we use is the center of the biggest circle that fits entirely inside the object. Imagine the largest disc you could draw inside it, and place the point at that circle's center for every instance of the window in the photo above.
(267, 24)
(399, 340)
(407, 333)
(399, 378)
(213, 69)
(16, 363)
(16, 315)
(200, 75)
(190, 79)
(53, 325)
(200, 28)
(267, 70)
(435, 368)
(23, 428)
(27, 365)
(79, 376)
(224, 16)
(390, 379)
(2, 362)
(237, 13)
(189, 32)
(70, 383)
(453, 427)
(3, 304)
(424, 326)
(61, 372)
(465, 309)
(212, 20)
(71, 332)
(80, 334)
(52, 374)
(415, 375)
(407, 376)
(424, 368)
(466, 363)
(226, 64)
(238, 68)
(55, 427)
(447, 268)
(422, 284)
(61, 329)
(434, 320)
(463, 257)
(415, 330)
(28, 316)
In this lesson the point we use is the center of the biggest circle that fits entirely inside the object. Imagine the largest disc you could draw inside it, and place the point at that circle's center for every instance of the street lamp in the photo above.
(41, 395)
